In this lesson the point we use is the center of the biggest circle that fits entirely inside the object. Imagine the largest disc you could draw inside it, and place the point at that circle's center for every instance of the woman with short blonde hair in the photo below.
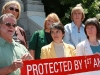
(14, 8)
(43, 37)
(53, 16)
(9, 3)
(74, 31)
(80, 8)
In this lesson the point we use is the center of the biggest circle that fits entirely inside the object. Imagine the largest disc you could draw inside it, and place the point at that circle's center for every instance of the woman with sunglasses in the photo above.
(15, 8)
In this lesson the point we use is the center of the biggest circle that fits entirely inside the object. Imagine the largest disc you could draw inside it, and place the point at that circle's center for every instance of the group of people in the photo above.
(54, 41)
(13, 45)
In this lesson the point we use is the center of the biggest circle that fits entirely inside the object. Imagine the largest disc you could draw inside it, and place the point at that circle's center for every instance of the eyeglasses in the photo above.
(11, 8)
(9, 25)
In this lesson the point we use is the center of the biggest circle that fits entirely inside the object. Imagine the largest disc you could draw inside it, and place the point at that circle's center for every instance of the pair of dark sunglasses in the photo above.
(11, 8)
(9, 25)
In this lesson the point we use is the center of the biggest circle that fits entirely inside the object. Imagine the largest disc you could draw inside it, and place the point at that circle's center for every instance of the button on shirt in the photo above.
(10, 52)
(72, 36)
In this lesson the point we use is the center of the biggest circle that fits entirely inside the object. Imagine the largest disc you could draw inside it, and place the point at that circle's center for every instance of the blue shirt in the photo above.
(71, 34)
(10, 52)
(95, 49)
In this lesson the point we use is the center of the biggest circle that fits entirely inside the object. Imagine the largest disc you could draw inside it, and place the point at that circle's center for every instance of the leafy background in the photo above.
(63, 8)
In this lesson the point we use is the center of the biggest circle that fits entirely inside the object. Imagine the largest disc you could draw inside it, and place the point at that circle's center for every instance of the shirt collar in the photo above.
(13, 42)
(73, 25)
(3, 41)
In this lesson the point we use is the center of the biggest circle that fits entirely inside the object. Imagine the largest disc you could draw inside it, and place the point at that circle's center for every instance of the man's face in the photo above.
(7, 28)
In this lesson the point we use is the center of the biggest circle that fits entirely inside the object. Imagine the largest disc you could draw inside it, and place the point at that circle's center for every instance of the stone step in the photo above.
(28, 37)
(27, 32)
(28, 43)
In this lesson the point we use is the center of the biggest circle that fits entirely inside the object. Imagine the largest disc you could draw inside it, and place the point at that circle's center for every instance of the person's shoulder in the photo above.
(83, 25)
(81, 43)
(45, 47)
(36, 34)
(68, 24)
(38, 31)
(41, 31)
(19, 45)
(69, 45)
(20, 28)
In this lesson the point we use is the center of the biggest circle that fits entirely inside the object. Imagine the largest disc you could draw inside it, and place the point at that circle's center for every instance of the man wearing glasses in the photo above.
(11, 53)
(15, 8)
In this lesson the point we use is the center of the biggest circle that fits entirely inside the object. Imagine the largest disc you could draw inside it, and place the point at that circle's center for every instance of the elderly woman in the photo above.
(15, 8)
(74, 31)
(57, 48)
(92, 44)
(42, 37)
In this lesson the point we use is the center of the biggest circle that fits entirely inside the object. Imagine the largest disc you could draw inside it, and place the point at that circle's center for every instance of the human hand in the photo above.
(16, 64)
(97, 53)
(27, 56)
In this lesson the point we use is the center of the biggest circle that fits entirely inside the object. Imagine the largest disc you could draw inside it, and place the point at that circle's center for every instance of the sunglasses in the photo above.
(11, 8)
(9, 25)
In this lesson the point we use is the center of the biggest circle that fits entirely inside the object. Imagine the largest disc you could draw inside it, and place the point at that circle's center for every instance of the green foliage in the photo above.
(63, 8)
(92, 8)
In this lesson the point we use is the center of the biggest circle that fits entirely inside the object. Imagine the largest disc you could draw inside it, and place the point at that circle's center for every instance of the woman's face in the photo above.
(57, 35)
(12, 8)
(49, 22)
(91, 31)
(77, 16)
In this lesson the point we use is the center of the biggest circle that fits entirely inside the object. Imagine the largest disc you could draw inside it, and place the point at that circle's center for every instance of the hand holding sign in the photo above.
(63, 66)
(26, 56)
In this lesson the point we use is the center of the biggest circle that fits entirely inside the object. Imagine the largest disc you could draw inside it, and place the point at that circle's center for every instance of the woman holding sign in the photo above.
(92, 44)
(57, 48)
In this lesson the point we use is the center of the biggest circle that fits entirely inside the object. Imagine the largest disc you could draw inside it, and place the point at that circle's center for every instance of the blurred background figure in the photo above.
(15, 8)
(57, 48)
(74, 31)
(42, 37)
